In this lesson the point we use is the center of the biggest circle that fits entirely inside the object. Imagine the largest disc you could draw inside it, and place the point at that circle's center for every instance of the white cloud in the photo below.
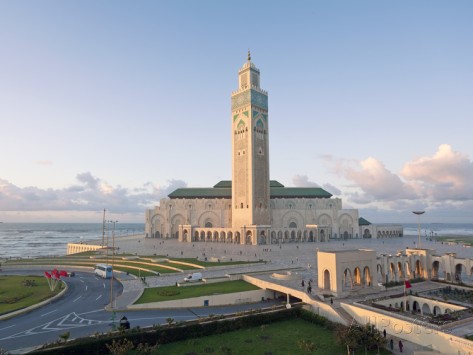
(440, 183)
(447, 175)
(303, 181)
(90, 194)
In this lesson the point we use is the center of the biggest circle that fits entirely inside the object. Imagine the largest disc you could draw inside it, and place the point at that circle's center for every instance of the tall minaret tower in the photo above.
(250, 150)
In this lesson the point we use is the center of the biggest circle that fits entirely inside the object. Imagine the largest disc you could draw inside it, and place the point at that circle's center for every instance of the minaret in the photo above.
(250, 150)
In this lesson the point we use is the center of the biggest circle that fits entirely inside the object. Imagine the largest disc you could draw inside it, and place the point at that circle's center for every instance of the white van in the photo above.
(196, 276)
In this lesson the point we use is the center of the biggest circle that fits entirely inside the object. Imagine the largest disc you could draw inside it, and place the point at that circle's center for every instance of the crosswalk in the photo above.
(69, 321)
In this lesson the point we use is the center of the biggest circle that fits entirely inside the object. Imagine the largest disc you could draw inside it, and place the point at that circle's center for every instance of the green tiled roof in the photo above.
(363, 222)
(223, 189)
(228, 183)
(299, 192)
(201, 192)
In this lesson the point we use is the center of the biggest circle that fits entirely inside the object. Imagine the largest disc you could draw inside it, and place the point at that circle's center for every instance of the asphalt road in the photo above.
(81, 312)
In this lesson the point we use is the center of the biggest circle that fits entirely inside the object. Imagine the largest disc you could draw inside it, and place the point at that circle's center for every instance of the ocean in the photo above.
(50, 239)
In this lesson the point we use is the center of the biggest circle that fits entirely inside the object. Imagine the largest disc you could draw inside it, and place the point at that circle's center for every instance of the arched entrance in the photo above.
(326, 280)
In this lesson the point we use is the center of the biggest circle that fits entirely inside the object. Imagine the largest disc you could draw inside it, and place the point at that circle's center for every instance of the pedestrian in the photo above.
(331, 300)
(400, 346)
(384, 333)
(302, 283)
(391, 344)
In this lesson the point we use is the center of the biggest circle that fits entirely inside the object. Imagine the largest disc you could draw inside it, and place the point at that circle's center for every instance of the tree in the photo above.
(65, 336)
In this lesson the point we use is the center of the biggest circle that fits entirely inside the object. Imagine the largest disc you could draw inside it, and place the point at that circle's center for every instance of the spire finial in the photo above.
(249, 55)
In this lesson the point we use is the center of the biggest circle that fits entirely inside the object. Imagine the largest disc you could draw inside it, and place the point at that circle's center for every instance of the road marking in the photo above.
(82, 281)
(48, 313)
(86, 287)
(7, 327)
(77, 298)
(104, 285)
(98, 298)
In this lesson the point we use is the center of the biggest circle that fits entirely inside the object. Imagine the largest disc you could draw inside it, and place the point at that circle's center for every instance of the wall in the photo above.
(421, 334)
(214, 300)
(79, 248)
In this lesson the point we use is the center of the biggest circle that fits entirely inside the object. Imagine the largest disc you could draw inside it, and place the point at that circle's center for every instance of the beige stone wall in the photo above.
(419, 333)
(73, 248)
(214, 300)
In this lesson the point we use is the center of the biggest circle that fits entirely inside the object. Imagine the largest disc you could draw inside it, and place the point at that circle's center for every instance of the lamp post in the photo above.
(418, 213)
(113, 262)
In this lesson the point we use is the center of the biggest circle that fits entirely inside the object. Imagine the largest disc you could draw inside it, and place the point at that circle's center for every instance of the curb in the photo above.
(35, 306)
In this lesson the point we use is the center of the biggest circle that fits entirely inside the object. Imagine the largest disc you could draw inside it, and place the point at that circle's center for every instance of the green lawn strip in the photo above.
(15, 292)
(467, 240)
(168, 293)
(92, 263)
(294, 336)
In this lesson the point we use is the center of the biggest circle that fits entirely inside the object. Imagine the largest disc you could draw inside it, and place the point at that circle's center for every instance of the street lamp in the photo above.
(418, 213)
(113, 261)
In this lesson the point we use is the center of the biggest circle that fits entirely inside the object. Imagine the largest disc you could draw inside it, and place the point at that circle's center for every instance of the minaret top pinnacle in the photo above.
(249, 55)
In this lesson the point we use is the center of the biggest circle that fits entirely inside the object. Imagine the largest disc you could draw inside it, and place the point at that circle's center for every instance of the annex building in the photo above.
(251, 208)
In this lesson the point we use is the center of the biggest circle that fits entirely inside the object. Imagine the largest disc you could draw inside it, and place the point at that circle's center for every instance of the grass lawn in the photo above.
(17, 293)
(467, 240)
(212, 263)
(168, 293)
(294, 336)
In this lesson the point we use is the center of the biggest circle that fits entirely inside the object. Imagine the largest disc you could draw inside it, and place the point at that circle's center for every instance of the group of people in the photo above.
(391, 342)
(309, 286)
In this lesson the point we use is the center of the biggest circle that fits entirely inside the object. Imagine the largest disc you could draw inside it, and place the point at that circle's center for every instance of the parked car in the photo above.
(196, 276)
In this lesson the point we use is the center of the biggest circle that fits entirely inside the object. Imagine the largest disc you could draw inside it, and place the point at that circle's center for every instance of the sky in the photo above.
(114, 104)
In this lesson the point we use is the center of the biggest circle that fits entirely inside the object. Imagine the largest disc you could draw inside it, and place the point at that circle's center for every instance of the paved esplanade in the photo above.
(301, 257)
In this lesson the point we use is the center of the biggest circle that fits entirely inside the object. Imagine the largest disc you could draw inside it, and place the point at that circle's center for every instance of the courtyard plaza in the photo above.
(298, 258)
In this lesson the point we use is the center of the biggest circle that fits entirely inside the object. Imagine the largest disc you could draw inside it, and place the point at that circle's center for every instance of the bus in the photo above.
(103, 270)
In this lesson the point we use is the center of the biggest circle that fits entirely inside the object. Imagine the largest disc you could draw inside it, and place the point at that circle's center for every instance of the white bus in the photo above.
(103, 270)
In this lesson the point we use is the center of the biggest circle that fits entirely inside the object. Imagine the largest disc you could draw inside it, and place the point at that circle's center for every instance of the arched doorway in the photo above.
(248, 239)
(326, 280)
(367, 276)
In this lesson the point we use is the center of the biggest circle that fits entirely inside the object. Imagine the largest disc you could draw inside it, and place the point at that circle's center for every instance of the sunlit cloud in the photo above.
(440, 183)
(89, 194)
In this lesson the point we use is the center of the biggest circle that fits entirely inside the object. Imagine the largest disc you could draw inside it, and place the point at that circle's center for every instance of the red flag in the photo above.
(47, 274)
(63, 273)
(407, 284)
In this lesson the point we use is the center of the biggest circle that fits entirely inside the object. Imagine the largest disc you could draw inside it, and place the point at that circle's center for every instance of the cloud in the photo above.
(303, 181)
(90, 194)
(446, 175)
(373, 179)
(439, 182)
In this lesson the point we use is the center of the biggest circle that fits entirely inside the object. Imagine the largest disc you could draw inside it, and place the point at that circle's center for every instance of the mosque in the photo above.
(251, 208)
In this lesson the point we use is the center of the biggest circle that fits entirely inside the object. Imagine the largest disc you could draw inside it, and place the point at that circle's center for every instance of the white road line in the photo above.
(7, 327)
(82, 281)
(86, 287)
(98, 298)
(48, 313)
(104, 285)
(77, 298)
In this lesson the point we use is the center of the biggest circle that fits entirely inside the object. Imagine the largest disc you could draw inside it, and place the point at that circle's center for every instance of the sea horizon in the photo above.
(33, 239)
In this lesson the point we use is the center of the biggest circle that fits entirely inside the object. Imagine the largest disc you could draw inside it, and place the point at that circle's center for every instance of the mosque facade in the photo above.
(252, 208)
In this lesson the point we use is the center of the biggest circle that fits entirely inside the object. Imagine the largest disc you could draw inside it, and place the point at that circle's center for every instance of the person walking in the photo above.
(391, 344)
(401, 345)
(384, 333)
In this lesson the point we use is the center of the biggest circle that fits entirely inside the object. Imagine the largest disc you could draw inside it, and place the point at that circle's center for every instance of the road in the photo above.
(81, 312)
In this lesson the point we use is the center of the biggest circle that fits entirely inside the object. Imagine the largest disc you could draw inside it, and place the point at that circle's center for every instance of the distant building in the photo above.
(252, 209)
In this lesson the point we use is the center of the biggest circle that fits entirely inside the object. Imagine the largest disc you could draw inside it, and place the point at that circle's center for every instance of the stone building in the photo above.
(251, 208)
